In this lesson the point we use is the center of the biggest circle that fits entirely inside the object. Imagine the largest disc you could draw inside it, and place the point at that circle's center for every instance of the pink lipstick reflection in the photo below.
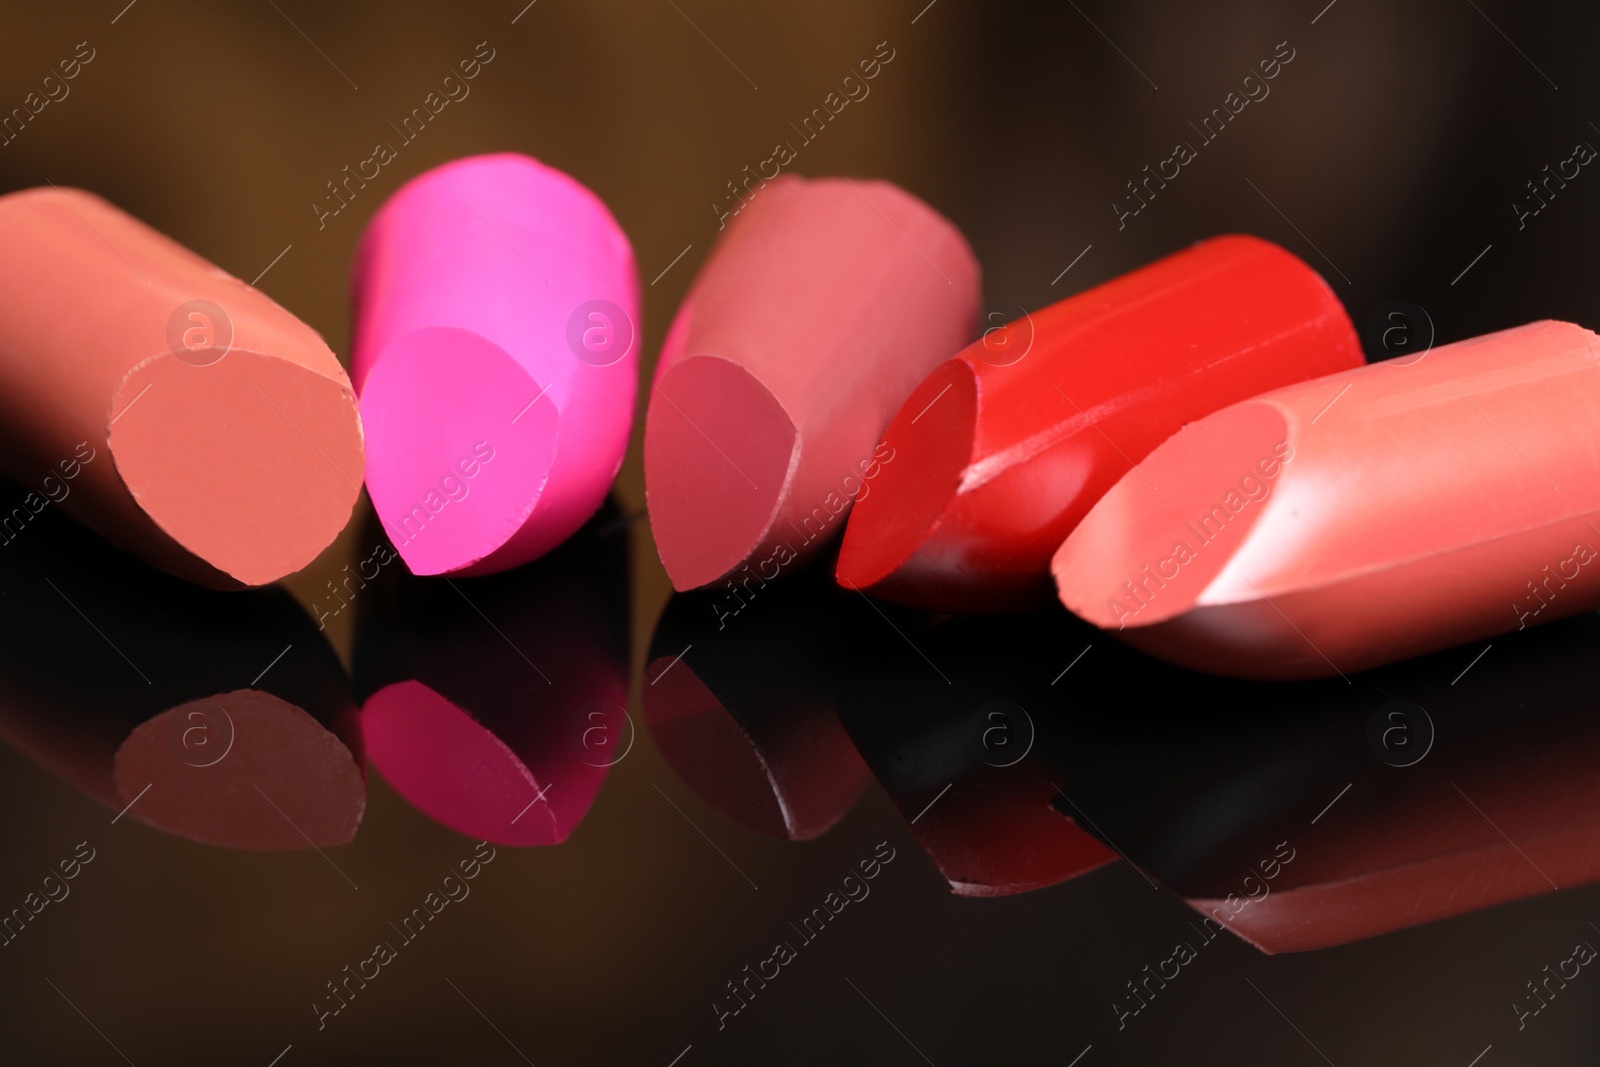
(497, 705)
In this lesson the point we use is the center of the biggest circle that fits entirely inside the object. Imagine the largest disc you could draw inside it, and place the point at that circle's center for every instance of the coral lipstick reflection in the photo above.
(497, 705)
(183, 707)
(1317, 813)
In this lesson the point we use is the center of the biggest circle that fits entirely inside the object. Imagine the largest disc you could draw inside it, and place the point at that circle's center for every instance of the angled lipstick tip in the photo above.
(929, 444)
(718, 449)
(1350, 521)
(1068, 397)
(494, 301)
(460, 439)
(252, 463)
(1154, 546)
(822, 307)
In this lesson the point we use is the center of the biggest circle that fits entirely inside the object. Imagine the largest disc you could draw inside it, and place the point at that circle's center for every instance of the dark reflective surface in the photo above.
(742, 694)
(1316, 814)
(807, 783)
(1394, 154)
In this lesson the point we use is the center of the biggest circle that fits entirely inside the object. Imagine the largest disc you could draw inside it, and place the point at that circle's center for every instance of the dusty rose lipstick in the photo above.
(819, 310)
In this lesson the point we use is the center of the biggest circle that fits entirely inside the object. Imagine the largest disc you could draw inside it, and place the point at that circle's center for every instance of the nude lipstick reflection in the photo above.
(224, 718)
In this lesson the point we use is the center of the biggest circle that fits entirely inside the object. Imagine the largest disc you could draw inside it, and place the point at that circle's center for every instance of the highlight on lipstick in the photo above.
(1360, 518)
(1003, 449)
(818, 311)
(495, 347)
(217, 435)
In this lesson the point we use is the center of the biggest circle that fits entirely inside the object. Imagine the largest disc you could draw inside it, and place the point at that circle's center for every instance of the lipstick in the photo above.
(1361, 518)
(819, 310)
(495, 347)
(1004, 448)
(177, 411)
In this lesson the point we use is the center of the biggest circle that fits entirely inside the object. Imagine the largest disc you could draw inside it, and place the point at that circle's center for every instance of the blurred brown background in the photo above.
(1388, 155)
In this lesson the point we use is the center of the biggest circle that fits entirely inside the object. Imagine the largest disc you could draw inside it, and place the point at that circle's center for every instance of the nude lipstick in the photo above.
(1360, 518)
(1004, 448)
(818, 311)
(201, 426)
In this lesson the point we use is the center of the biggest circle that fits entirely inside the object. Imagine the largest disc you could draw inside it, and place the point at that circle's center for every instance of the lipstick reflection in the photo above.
(744, 705)
(950, 718)
(497, 705)
(1303, 815)
(224, 718)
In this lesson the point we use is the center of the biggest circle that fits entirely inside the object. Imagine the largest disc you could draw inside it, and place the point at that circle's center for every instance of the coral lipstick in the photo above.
(228, 442)
(1003, 449)
(821, 307)
(1361, 518)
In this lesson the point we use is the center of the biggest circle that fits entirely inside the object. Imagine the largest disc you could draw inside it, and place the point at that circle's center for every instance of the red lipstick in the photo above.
(1003, 449)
